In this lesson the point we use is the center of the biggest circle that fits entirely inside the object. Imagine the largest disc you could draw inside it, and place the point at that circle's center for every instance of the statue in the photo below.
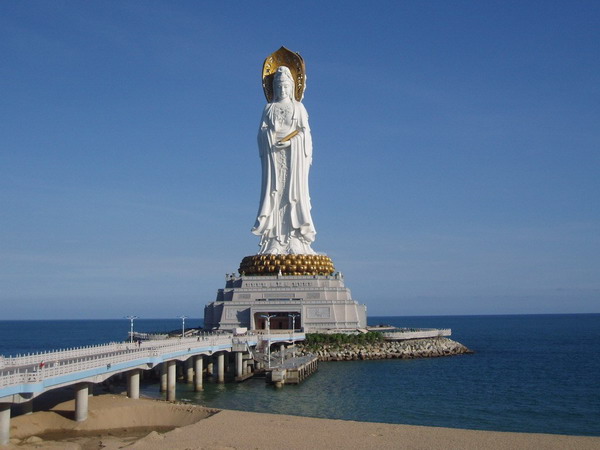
(284, 222)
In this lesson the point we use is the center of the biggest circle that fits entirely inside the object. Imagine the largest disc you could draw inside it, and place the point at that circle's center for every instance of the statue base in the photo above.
(312, 303)
(295, 265)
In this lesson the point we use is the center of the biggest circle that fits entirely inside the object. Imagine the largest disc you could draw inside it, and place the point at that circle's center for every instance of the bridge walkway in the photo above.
(22, 378)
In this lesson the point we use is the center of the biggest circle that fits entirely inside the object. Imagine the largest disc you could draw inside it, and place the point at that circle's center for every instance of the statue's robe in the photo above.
(283, 220)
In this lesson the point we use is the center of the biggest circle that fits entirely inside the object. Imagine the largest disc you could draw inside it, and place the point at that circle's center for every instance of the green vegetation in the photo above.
(316, 340)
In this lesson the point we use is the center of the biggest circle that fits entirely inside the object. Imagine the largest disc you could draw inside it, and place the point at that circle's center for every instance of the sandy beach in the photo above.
(116, 422)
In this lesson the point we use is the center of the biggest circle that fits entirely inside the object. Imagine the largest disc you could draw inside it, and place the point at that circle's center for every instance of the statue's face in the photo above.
(283, 89)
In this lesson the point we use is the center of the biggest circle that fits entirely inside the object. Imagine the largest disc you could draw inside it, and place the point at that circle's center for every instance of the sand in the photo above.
(116, 422)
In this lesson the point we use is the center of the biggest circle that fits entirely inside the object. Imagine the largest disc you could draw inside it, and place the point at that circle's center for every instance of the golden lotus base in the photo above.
(287, 264)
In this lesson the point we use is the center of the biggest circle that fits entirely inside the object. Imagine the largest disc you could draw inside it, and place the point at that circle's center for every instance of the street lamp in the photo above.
(131, 319)
(183, 325)
(268, 317)
(293, 316)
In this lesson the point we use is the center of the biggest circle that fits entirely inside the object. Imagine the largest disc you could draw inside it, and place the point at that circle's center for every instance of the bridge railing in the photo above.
(415, 333)
(110, 355)
(32, 358)
(120, 353)
(80, 352)
(52, 370)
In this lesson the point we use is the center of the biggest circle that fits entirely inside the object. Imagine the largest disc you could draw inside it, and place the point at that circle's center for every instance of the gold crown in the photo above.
(294, 62)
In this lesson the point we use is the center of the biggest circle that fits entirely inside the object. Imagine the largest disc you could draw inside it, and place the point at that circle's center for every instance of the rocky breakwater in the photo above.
(405, 349)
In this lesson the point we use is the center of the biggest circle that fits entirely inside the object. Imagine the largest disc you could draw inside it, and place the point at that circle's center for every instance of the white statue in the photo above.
(284, 222)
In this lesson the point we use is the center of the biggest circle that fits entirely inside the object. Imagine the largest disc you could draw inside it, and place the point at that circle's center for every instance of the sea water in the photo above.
(529, 373)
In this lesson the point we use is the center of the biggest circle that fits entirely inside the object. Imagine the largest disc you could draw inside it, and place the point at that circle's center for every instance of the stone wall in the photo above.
(406, 349)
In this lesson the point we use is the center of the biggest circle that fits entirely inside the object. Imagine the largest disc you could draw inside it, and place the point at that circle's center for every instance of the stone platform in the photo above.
(317, 302)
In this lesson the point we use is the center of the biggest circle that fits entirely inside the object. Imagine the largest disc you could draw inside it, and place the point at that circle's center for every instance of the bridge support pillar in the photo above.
(163, 377)
(81, 401)
(210, 366)
(198, 368)
(171, 380)
(245, 367)
(239, 364)
(221, 368)
(4, 423)
(189, 370)
(133, 384)
(226, 364)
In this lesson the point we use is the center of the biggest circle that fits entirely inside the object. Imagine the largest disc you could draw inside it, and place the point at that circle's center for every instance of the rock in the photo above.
(415, 348)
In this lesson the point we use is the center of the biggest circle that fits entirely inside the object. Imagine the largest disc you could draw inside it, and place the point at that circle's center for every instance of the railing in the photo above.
(415, 333)
(50, 364)
(79, 352)
(248, 289)
(274, 276)
(277, 332)
(295, 363)
(76, 352)
(47, 365)
(149, 336)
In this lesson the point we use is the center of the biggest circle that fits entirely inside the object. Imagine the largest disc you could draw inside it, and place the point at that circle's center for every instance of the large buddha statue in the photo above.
(283, 222)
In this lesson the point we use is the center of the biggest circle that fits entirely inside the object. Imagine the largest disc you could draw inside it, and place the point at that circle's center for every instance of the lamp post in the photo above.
(268, 317)
(131, 319)
(183, 325)
(293, 316)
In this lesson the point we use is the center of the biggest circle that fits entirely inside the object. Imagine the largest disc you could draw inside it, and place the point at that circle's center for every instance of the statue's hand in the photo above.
(281, 145)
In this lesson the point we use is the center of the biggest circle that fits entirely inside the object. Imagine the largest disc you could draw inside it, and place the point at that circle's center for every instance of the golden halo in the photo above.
(294, 62)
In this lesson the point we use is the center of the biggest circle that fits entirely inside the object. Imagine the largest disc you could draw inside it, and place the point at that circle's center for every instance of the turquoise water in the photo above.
(530, 373)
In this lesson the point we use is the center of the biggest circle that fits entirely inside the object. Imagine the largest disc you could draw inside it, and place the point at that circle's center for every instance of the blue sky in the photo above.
(456, 165)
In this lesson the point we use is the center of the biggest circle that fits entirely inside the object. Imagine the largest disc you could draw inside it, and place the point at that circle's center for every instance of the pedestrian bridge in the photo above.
(22, 378)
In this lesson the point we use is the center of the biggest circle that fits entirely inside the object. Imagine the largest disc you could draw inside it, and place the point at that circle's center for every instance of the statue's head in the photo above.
(283, 83)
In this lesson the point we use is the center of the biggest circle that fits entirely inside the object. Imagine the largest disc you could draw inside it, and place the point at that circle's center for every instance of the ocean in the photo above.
(529, 373)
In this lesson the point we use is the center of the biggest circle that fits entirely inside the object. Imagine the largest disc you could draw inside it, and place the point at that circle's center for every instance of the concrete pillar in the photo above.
(133, 384)
(226, 359)
(210, 367)
(239, 364)
(4, 423)
(198, 368)
(90, 389)
(163, 377)
(81, 401)
(221, 368)
(189, 370)
(245, 370)
(171, 380)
